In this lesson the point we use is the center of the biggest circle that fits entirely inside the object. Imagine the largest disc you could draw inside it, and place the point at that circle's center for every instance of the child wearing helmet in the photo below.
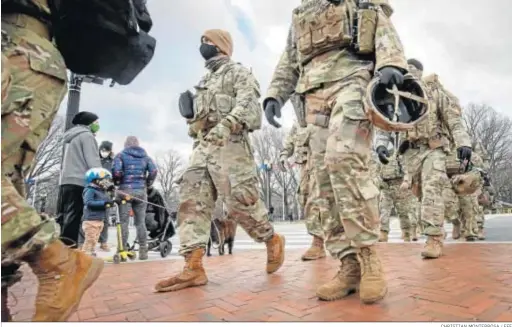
(96, 201)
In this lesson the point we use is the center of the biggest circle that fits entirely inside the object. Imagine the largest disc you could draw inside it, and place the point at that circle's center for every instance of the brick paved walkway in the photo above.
(473, 282)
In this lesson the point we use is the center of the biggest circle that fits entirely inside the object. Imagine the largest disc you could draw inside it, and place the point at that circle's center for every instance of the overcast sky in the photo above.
(467, 43)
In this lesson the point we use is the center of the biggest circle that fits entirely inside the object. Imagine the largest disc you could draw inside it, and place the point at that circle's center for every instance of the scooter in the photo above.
(122, 254)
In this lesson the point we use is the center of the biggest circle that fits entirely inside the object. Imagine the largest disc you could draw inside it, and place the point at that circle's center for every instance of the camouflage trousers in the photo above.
(480, 210)
(427, 167)
(229, 172)
(308, 201)
(461, 210)
(340, 155)
(33, 86)
(403, 202)
(480, 217)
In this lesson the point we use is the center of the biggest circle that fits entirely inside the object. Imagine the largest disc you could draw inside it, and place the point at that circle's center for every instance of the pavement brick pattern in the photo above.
(471, 283)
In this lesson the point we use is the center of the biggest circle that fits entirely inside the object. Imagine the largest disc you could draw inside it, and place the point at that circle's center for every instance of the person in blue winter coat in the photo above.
(133, 172)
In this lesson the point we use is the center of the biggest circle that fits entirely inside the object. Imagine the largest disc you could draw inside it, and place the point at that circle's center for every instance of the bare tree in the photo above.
(46, 165)
(264, 151)
(493, 131)
(267, 144)
(170, 168)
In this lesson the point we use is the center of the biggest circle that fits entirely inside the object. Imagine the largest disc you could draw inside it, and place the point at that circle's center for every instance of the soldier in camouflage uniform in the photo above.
(322, 63)
(222, 163)
(297, 142)
(460, 210)
(486, 194)
(33, 86)
(391, 177)
(424, 149)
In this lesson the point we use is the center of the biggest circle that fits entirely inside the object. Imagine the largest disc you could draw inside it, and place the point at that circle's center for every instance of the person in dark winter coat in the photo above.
(107, 160)
(106, 155)
(81, 153)
(133, 172)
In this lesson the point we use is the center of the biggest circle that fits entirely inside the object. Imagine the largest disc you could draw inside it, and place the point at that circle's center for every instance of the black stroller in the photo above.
(159, 224)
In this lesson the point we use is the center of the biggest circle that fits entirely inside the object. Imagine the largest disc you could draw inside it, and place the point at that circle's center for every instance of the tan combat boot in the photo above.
(373, 286)
(414, 233)
(456, 231)
(383, 236)
(406, 235)
(316, 251)
(433, 247)
(275, 253)
(471, 237)
(481, 235)
(64, 275)
(344, 283)
(193, 274)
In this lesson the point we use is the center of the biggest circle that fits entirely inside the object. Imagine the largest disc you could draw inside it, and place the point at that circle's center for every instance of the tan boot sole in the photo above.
(306, 258)
(94, 272)
(375, 299)
(338, 296)
(181, 286)
(282, 242)
(427, 255)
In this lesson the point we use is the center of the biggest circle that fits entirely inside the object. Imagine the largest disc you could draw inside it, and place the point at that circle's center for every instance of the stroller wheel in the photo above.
(165, 248)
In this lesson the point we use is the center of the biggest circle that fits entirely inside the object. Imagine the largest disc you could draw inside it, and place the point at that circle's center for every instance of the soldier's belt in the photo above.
(318, 119)
(395, 180)
(418, 144)
(28, 22)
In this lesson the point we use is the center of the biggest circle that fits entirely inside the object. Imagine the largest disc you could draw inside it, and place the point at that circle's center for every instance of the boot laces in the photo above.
(367, 261)
(48, 285)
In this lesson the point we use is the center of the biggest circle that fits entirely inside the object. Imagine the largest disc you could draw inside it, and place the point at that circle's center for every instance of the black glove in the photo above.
(404, 147)
(383, 154)
(272, 109)
(391, 76)
(464, 153)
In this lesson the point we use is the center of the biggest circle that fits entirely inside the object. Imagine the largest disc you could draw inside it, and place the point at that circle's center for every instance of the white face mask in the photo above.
(104, 154)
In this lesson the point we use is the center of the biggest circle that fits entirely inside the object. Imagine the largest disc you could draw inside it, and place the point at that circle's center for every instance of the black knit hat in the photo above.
(106, 145)
(416, 63)
(84, 118)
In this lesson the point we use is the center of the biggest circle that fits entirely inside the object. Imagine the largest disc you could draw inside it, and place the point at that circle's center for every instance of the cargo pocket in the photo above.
(303, 31)
(336, 29)
(224, 103)
(354, 136)
(439, 165)
(367, 27)
(368, 191)
(48, 83)
(318, 38)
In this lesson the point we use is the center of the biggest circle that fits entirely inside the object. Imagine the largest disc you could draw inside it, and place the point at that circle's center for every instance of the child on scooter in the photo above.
(97, 199)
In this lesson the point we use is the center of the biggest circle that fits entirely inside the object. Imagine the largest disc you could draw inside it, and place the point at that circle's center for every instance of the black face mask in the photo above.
(208, 51)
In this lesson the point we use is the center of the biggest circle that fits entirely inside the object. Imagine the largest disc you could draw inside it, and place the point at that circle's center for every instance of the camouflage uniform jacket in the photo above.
(296, 142)
(230, 92)
(331, 61)
(28, 7)
(443, 125)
